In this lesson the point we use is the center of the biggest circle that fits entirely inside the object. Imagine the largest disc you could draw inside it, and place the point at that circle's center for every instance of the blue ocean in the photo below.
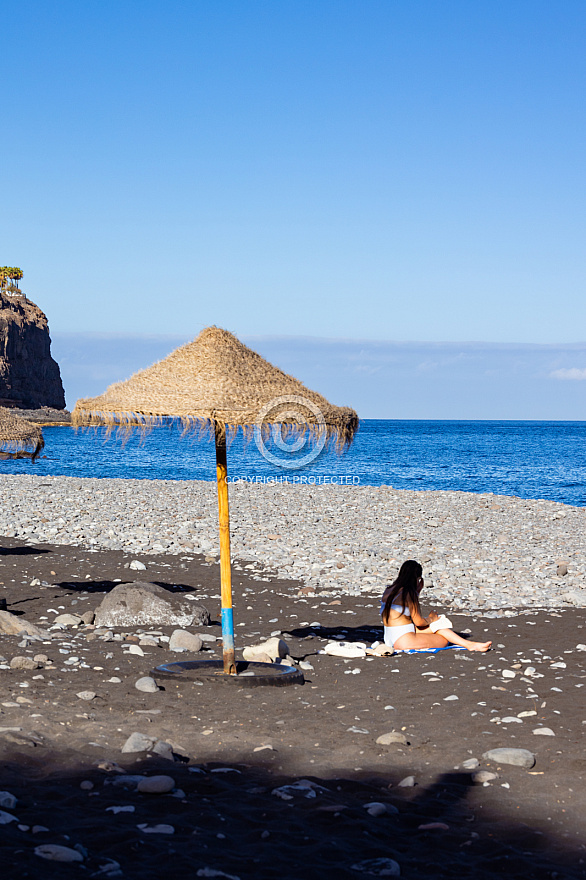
(526, 459)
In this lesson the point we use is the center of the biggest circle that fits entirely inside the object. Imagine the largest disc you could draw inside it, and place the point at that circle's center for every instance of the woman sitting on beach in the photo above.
(405, 626)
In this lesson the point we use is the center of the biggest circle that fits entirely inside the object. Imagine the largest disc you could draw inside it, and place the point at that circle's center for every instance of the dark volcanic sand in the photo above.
(226, 818)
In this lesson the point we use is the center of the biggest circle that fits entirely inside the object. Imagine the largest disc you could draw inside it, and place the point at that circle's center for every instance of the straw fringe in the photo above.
(217, 381)
(19, 438)
(125, 424)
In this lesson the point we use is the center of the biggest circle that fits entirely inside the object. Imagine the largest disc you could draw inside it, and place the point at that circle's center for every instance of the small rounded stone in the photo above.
(147, 685)
(156, 785)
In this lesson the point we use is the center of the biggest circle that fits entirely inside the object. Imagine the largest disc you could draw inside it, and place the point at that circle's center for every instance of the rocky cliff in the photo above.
(29, 377)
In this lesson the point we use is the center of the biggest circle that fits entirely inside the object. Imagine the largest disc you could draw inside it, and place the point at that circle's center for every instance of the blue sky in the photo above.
(376, 171)
(389, 380)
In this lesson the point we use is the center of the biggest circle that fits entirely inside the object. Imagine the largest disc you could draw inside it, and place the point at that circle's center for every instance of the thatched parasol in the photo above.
(18, 437)
(216, 383)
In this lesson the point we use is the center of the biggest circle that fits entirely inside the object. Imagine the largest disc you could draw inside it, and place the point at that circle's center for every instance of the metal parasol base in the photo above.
(248, 674)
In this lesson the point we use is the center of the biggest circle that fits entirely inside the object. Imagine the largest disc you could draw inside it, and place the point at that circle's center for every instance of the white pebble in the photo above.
(407, 782)
(156, 829)
(54, 852)
(137, 565)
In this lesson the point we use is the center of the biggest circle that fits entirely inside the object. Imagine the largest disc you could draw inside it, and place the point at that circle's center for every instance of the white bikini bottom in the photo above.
(392, 633)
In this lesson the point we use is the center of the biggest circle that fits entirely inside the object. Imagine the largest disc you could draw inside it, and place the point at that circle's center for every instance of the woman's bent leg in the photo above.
(426, 639)
(455, 639)
(441, 639)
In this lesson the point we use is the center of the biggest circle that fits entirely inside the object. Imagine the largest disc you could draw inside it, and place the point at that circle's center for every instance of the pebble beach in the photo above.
(452, 765)
(484, 553)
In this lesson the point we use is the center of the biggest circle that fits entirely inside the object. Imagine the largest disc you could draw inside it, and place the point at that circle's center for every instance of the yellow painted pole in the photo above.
(225, 572)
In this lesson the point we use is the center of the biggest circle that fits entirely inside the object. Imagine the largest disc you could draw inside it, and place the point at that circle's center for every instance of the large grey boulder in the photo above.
(141, 603)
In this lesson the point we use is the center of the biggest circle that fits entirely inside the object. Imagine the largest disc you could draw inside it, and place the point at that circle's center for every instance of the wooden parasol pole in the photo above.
(225, 573)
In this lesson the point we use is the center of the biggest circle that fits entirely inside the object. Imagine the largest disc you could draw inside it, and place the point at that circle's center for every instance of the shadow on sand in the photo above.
(89, 586)
(22, 551)
(228, 818)
(364, 633)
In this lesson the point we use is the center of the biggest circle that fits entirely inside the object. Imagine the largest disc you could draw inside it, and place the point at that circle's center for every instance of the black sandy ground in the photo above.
(226, 818)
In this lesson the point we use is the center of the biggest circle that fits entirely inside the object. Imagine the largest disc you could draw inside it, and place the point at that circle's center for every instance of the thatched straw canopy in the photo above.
(217, 380)
(19, 437)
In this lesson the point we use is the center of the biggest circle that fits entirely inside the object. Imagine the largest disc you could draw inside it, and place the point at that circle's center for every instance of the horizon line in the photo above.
(97, 334)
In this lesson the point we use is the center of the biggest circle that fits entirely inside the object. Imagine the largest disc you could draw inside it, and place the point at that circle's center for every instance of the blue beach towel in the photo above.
(432, 650)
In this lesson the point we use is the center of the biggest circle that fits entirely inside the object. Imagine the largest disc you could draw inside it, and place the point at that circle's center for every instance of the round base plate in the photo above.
(248, 674)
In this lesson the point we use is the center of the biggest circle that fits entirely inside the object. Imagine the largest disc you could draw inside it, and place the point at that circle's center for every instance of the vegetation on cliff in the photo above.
(10, 274)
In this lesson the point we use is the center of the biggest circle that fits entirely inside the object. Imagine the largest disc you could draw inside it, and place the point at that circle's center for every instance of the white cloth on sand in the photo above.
(442, 622)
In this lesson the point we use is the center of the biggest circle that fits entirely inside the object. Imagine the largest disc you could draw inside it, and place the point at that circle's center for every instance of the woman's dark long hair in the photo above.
(405, 586)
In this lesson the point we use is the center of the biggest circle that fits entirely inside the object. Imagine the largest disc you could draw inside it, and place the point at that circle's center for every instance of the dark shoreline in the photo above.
(45, 416)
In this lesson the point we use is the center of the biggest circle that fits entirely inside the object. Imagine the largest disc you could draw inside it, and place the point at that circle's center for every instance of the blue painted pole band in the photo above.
(227, 629)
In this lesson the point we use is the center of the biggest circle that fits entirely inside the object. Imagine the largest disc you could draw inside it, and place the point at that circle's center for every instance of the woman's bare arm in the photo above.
(418, 619)
(422, 622)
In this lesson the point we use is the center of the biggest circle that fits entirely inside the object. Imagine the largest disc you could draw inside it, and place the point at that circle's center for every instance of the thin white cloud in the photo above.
(572, 373)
